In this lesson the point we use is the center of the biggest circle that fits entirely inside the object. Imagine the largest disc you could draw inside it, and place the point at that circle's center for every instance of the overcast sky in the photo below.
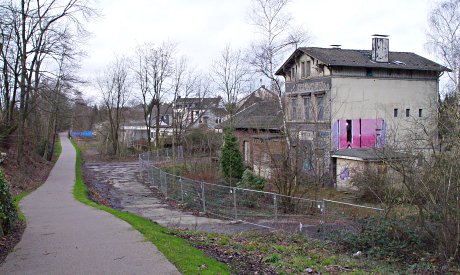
(201, 28)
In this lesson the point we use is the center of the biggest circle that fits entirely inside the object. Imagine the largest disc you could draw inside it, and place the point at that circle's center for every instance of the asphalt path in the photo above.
(64, 236)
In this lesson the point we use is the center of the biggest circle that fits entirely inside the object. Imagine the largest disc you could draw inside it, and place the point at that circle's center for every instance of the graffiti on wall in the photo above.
(345, 174)
(359, 133)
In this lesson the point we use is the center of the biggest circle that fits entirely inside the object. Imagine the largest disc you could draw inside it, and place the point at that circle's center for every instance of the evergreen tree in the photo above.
(231, 160)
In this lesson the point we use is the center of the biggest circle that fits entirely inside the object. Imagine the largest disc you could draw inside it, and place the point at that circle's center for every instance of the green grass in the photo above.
(187, 259)
(16, 200)
(58, 150)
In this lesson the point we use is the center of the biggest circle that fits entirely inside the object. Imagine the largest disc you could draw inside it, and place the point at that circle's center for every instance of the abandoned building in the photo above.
(257, 123)
(339, 99)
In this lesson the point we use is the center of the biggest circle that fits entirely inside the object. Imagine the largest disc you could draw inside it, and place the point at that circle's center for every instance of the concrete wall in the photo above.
(345, 170)
(374, 99)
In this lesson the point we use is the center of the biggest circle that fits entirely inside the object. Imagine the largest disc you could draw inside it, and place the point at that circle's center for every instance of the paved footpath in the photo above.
(64, 236)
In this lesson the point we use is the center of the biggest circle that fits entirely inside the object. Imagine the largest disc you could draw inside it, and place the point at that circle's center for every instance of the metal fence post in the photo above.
(234, 203)
(166, 184)
(181, 188)
(160, 182)
(323, 211)
(275, 206)
(202, 197)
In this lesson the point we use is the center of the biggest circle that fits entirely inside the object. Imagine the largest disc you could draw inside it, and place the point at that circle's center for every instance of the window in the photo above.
(420, 112)
(369, 72)
(246, 151)
(407, 112)
(306, 105)
(294, 109)
(302, 69)
(293, 73)
(320, 105)
(395, 112)
(307, 68)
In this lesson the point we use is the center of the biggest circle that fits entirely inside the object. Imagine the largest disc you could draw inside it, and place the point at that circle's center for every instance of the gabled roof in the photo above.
(265, 115)
(362, 58)
(165, 109)
(200, 102)
(261, 94)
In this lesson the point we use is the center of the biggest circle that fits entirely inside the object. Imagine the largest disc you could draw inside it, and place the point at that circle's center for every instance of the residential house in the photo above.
(134, 131)
(342, 98)
(200, 112)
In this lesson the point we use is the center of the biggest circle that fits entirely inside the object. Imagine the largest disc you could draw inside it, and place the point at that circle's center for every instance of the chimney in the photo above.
(380, 48)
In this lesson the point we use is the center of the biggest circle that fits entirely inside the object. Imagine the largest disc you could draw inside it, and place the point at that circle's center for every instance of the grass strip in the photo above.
(58, 147)
(16, 200)
(187, 259)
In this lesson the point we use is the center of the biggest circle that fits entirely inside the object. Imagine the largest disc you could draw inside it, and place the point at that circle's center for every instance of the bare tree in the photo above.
(276, 35)
(443, 36)
(34, 31)
(430, 181)
(145, 83)
(230, 77)
(154, 72)
(114, 88)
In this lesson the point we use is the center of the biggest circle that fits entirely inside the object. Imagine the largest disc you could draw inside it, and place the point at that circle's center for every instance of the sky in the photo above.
(202, 28)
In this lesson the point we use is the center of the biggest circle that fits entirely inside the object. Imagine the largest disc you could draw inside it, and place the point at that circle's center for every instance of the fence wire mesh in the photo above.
(265, 209)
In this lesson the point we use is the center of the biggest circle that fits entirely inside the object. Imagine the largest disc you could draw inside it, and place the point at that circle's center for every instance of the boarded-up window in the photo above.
(294, 109)
(306, 105)
(320, 106)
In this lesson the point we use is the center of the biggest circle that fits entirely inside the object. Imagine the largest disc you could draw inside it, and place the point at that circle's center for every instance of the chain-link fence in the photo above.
(265, 209)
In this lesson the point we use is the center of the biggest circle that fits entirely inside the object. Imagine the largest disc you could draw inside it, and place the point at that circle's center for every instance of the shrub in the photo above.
(251, 181)
(8, 213)
(381, 238)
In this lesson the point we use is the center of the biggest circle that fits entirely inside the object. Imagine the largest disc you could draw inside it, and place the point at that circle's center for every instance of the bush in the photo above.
(251, 181)
(8, 213)
(381, 239)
